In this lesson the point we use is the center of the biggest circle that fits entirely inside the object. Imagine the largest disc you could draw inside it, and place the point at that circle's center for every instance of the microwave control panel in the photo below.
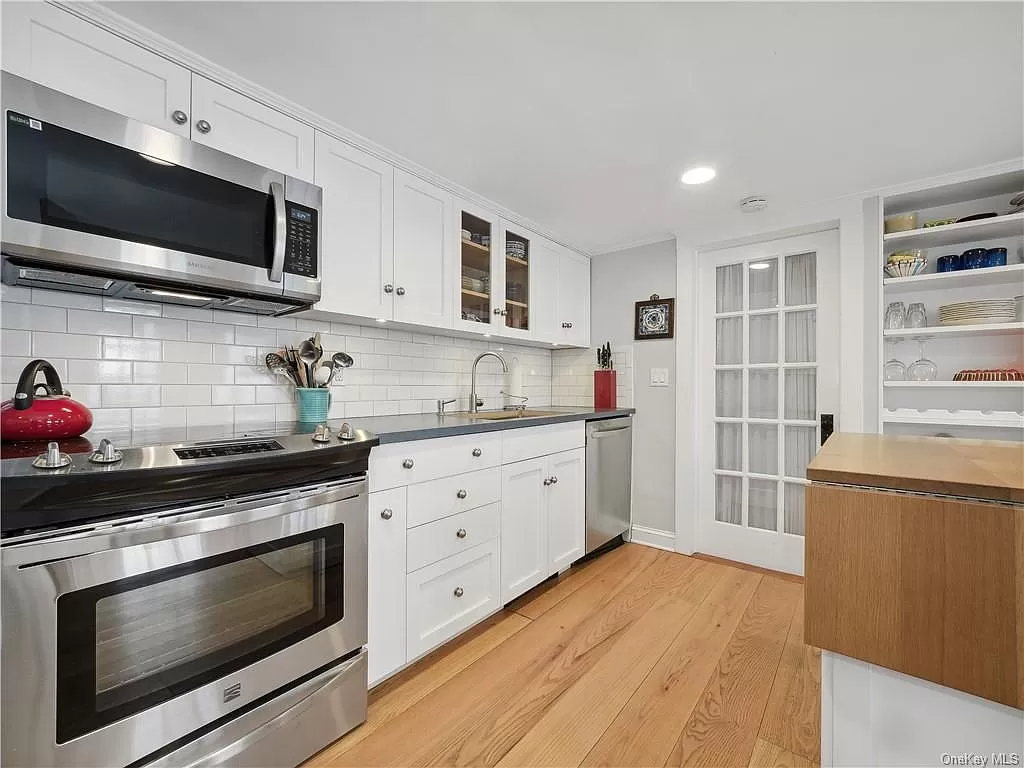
(301, 245)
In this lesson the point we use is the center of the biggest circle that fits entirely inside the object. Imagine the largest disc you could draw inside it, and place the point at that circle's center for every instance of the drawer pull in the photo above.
(477, 453)
(461, 493)
(461, 533)
(408, 464)
(386, 514)
(459, 592)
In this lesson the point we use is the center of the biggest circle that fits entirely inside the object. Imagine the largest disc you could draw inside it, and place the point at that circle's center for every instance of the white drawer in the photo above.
(419, 460)
(443, 538)
(451, 495)
(449, 596)
(530, 442)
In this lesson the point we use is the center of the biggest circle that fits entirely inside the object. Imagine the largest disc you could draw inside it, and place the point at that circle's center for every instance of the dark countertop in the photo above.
(423, 426)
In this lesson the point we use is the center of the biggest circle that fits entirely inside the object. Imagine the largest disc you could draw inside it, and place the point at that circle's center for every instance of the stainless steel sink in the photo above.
(503, 415)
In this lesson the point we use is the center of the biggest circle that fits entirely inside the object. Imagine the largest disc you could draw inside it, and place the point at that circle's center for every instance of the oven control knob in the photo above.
(321, 434)
(346, 432)
(106, 453)
(52, 459)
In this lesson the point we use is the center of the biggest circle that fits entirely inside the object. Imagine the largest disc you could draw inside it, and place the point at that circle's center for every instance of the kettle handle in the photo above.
(25, 393)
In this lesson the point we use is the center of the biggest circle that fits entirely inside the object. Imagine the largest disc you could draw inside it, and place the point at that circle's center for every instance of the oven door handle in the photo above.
(280, 231)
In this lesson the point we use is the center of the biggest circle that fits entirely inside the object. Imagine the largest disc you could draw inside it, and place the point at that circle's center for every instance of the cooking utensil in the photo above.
(279, 365)
(309, 357)
(322, 375)
(50, 415)
(339, 362)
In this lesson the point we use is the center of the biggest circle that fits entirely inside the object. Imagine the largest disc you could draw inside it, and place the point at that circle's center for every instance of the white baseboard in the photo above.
(652, 537)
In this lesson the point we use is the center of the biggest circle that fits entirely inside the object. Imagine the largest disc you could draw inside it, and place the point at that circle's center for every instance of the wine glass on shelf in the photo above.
(893, 370)
(922, 369)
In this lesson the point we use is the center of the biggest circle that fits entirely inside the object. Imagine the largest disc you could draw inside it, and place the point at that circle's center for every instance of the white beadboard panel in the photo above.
(186, 394)
(99, 323)
(187, 352)
(204, 373)
(214, 334)
(159, 328)
(131, 349)
(47, 345)
(130, 395)
(159, 373)
(101, 371)
(16, 342)
(29, 317)
(66, 299)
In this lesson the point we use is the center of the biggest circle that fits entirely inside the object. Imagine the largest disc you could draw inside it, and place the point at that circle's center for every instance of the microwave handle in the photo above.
(280, 232)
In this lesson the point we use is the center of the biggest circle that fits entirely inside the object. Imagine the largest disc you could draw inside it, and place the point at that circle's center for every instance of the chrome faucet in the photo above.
(474, 403)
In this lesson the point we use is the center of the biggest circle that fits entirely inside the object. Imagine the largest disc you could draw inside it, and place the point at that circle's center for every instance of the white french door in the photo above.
(768, 352)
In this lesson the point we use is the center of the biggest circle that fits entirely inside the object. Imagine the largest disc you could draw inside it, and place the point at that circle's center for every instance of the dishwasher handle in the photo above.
(606, 432)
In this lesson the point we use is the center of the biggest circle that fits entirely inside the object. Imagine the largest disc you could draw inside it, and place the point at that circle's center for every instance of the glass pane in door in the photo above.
(763, 449)
(729, 446)
(801, 394)
(764, 284)
(801, 445)
(762, 504)
(801, 279)
(801, 337)
(476, 269)
(793, 519)
(729, 282)
(729, 340)
(763, 395)
(764, 338)
(729, 499)
(729, 393)
(517, 281)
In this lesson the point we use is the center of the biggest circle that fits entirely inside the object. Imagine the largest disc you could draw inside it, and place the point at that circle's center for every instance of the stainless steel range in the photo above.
(185, 603)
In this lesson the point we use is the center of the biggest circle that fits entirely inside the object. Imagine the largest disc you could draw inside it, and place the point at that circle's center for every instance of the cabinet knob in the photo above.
(477, 453)
(565, 325)
(389, 288)
(179, 117)
(203, 127)
(408, 463)
(570, 325)
(554, 480)
(547, 481)
(497, 311)
(461, 533)
(400, 291)
(459, 592)
(461, 493)
(386, 514)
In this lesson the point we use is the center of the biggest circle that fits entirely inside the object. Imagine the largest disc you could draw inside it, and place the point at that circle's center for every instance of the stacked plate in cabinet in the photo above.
(978, 312)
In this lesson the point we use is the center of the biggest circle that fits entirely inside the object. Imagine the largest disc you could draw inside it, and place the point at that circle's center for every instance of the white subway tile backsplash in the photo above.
(65, 299)
(345, 329)
(111, 419)
(14, 342)
(255, 414)
(235, 355)
(100, 371)
(357, 345)
(374, 332)
(234, 318)
(385, 408)
(354, 410)
(156, 418)
(279, 393)
(131, 349)
(209, 416)
(284, 323)
(129, 307)
(205, 373)
(30, 317)
(188, 313)
(159, 328)
(387, 347)
(12, 367)
(186, 394)
(159, 373)
(130, 395)
(214, 334)
(15, 294)
(233, 394)
(187, 352)
(47, 345)
(254, 374)
(99, 323)
(256, 337)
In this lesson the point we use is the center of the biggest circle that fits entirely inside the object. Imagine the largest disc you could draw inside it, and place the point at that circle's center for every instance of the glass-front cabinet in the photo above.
(516, 274)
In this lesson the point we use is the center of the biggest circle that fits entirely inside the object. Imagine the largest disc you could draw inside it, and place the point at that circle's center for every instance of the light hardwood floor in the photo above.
(637, 658)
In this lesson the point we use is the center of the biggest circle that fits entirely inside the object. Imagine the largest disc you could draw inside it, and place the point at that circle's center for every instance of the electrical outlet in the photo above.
(659, 377)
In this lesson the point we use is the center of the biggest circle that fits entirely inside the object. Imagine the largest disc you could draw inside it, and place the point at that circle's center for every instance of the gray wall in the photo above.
(620, 279)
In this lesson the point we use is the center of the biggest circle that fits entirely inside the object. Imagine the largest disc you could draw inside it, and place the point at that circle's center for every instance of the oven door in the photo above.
(91, 190)
(117, 643)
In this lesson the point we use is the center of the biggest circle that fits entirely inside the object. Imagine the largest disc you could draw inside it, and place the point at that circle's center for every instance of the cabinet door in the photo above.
(358, 230)
(524, 527)
(574, 298)
(479, 269)
(565, 503)
(516, 297)
(386, 581)
(423, 224)
(544, 322)
(61, 51)
(226, 120)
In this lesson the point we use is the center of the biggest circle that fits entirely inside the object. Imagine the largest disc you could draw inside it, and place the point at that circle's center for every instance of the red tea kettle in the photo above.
(51, 415)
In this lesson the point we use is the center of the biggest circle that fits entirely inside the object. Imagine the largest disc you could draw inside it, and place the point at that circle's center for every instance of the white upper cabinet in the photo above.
(573, 298)
(544, 323)
(423, 231)
(357, 226)
(514, 288)
(61, 51)
(478, 307)
(226, 120)
(566, 505)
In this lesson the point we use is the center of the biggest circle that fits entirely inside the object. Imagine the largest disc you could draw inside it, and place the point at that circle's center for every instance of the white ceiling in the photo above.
(581, 116)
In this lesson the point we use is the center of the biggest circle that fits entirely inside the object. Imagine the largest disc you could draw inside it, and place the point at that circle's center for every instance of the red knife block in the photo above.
(604, 389)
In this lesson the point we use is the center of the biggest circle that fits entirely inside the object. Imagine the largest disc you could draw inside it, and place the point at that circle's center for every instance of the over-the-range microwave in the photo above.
(98, 203)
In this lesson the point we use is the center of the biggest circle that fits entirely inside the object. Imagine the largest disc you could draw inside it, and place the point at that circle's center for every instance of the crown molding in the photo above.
(111, 21)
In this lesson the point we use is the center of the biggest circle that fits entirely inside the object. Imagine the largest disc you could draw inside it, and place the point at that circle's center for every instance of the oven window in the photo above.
(68, 180)
(125, 646)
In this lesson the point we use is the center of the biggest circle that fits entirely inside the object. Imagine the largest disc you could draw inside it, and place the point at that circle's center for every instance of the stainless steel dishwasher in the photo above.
(609, 465)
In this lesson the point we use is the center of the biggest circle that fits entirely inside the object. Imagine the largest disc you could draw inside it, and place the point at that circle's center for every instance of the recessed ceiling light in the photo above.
(760, 265)
(698, 175)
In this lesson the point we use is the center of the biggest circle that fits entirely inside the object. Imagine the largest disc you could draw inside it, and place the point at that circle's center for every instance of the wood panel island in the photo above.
(914, 585)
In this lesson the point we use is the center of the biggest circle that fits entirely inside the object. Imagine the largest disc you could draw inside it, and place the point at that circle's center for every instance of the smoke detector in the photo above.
(753, 204)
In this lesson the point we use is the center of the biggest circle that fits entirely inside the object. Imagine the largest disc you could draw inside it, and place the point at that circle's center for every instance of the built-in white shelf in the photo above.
(956, 234)
(995, 419)
(955, 385)
(1011, 275)
(955, 331)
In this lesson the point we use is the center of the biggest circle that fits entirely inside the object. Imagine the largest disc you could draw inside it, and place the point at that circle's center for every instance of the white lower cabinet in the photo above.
(451, 595)
(566, 508)
(524, 527)
(386, 614)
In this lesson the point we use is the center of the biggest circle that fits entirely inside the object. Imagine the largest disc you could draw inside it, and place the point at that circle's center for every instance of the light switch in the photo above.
(659, 377)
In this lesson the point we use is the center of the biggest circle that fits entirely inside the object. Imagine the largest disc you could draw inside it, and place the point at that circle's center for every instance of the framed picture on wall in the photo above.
(655, 318)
